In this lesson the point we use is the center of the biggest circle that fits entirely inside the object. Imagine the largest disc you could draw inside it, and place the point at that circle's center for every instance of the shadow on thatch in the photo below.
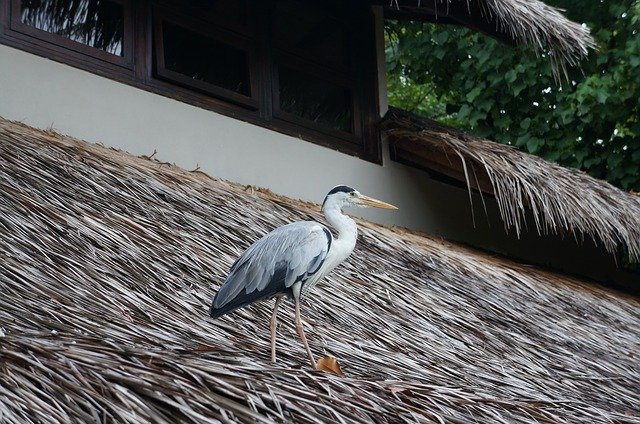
(109, 263)
(562, 200)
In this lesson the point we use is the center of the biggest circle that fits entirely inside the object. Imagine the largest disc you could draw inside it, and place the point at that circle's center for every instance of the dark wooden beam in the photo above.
(441, 160)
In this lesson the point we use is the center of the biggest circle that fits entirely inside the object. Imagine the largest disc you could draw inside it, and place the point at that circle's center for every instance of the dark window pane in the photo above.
(315, 99)
(96, 23)
(224, 12)
(204, 59)
(312, 30)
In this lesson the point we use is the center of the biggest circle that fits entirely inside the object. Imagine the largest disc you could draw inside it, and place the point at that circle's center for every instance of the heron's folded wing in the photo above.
(273, 264)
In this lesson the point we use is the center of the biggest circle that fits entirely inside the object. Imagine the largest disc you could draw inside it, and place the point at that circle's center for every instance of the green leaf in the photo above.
(552, 156)
(464, 111)
(588, 163)
(502, 122)
(485, 104)
(566, 115)
(518, 86)
(471, 95)
(581, 154)
(477, 115)
(602, 96)
(534, 144)
(522, 140)
(441, 37)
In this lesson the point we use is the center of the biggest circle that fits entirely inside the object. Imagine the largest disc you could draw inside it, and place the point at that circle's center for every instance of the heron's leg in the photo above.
(301, 333)
(272, 326)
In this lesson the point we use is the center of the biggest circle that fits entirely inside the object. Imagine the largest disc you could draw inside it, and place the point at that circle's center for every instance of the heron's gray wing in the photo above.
(273, 264)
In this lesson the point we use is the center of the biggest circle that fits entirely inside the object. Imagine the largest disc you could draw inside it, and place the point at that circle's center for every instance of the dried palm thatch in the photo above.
(562, 200)
(526, 22)
(109, 263)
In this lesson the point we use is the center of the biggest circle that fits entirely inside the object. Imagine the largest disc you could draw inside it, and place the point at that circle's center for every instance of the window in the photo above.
(304, 95)
(212, 63)
(302, 68)
(98, 28)
(316, 74)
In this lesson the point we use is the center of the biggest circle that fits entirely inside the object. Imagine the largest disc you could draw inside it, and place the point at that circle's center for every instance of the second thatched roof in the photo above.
(562, 200)
(108, 264)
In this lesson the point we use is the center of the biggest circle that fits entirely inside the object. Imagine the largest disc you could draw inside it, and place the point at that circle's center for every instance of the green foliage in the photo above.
(471, 81)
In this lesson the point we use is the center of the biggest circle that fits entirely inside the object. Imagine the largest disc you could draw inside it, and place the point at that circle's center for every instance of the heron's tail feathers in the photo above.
(218, 312)
(238, 302)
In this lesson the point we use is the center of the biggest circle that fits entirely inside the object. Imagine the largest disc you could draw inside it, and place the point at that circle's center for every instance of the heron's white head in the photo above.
(342, 196)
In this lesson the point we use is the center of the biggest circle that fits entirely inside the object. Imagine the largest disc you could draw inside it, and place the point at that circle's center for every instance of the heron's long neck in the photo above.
(347, 230)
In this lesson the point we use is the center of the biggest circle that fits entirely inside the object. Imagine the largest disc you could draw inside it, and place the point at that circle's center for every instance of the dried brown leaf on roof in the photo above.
(108, 263)
(330, 364)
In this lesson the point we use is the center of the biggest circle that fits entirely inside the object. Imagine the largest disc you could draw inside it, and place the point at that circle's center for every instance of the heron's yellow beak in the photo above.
(370, 201)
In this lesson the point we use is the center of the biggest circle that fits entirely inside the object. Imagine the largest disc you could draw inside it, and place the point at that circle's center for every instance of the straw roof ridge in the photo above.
(108, 263)
(562, 200)
(528, 22)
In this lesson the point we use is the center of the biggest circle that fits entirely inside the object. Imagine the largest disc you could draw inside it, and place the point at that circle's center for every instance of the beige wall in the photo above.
(46, 94)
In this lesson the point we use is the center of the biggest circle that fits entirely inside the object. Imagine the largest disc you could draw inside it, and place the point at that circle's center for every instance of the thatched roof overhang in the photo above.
(562, 200)
(108, 263)
(516, 22)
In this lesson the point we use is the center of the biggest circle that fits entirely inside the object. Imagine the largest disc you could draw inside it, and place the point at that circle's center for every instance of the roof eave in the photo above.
(520, 182)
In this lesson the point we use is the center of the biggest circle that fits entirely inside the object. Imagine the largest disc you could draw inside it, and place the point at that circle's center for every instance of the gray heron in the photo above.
(291, 259)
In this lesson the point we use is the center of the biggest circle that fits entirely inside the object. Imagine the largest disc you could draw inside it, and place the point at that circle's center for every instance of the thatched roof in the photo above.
(561, 200)
(109, 263)
(526, 22)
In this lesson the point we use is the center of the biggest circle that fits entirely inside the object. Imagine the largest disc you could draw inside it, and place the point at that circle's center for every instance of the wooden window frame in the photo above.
(161, 16)
(354, 136)
(137, 68)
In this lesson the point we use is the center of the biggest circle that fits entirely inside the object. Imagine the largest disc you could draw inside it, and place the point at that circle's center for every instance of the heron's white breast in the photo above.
(340, 250)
